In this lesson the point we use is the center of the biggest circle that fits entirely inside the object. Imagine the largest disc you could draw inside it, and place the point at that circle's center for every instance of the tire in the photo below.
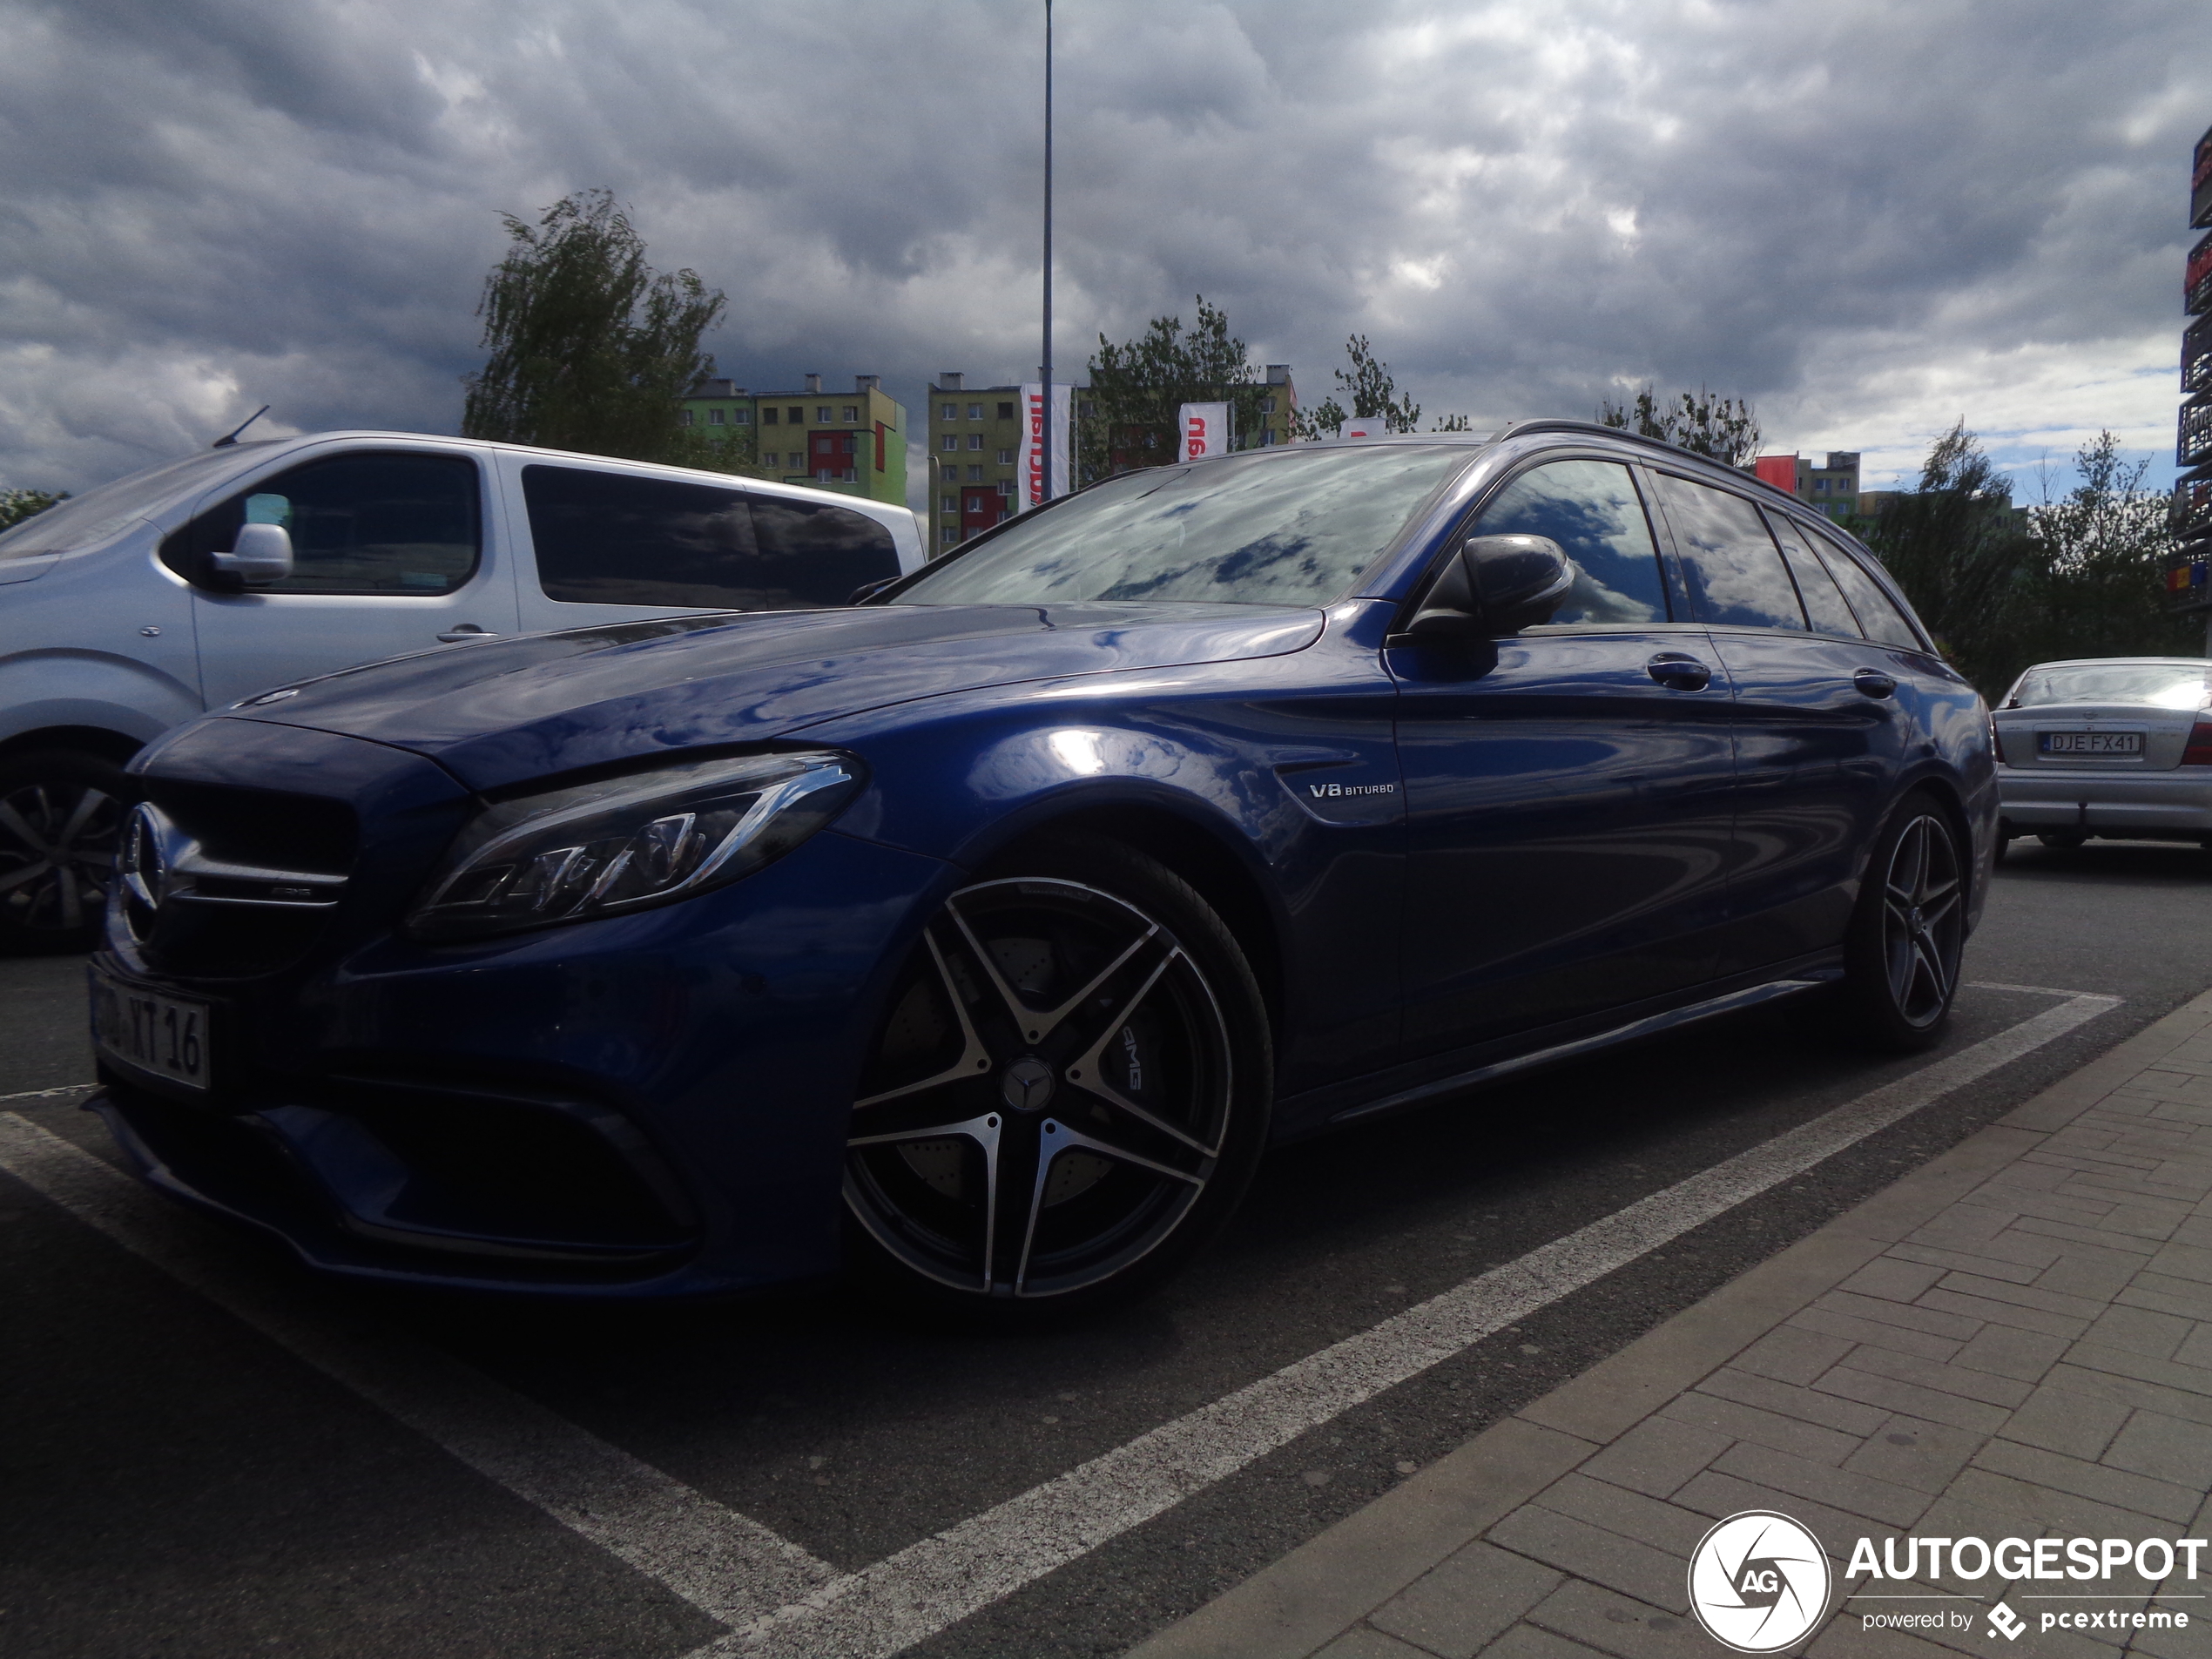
(2002, 851)
(61, 810)
(2062, 843)
(1909, 931)
(1066, 1094)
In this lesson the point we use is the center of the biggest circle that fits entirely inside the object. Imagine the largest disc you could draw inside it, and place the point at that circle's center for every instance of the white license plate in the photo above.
(2091, 742)
(150, 1031)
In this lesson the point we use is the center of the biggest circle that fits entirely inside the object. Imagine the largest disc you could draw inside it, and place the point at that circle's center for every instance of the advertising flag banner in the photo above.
(1036, 489)
(1205, 430)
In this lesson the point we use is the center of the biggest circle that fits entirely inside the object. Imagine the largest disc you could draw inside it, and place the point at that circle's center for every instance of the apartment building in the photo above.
(974, 435)
(1832, 489)
(853, 442)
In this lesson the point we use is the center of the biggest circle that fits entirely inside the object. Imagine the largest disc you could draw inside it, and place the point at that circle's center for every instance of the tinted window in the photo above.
(1294, 528)
(1736, 577)
(1824, 606)
(1877, 614)
(1590, 508)
(608, 538)
(359, 523)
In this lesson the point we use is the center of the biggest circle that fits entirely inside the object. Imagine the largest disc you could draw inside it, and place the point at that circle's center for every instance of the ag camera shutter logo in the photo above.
(1759, 1581)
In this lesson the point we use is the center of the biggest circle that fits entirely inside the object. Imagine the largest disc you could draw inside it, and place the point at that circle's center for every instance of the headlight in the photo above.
(606, 848)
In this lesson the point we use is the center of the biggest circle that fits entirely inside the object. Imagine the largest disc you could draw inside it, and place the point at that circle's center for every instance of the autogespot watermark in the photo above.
(1760, 1582)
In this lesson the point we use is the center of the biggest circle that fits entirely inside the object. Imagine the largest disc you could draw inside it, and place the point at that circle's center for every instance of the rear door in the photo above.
(1819, 739)
(612, 545)
(393, 551)
(1567, 788)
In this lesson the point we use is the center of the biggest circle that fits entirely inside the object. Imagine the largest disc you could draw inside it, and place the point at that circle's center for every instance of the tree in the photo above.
(1698, 421)
(1373, 394)
(1138, 387)
(17, 505)
(589, 347)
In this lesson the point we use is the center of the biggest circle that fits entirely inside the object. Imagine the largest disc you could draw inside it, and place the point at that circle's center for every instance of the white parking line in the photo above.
(913, 1594)
(730, 1568)
(51, 1094)
(781, 1602)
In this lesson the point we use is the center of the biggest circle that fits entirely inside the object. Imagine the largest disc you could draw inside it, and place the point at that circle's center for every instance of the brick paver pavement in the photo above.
(2014, 1341)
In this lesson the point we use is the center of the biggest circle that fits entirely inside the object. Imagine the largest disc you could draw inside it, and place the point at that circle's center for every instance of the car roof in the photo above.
(2107, 661)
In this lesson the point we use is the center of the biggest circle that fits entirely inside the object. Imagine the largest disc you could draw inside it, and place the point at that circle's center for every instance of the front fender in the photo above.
(39, 689)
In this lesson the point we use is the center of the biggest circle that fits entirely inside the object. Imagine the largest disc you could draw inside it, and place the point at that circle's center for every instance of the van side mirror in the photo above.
(1492, 585)
(262, 553)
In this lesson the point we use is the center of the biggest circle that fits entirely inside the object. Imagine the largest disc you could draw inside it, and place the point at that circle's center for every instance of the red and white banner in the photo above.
(1037, 488)
(1205, 430)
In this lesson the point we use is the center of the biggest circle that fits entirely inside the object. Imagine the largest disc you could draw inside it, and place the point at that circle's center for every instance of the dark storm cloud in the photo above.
(1869, 217)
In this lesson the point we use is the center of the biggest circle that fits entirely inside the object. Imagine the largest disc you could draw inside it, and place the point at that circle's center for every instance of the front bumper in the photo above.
(2156, 805)
(648, 1106)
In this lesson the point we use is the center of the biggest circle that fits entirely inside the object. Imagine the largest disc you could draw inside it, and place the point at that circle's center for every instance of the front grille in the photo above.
(224, 927)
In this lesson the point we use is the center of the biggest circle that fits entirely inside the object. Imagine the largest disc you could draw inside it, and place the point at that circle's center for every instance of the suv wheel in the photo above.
(1067, 1094)
(1909, 931)
(60, 813)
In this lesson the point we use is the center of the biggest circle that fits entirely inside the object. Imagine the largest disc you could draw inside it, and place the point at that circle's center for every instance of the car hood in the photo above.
(510, 711)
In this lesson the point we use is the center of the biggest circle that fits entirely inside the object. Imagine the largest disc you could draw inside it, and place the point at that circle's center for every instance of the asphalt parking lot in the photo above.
(187, 1479)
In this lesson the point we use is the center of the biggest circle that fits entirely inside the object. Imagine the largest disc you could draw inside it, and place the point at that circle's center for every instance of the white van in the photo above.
(188, 586)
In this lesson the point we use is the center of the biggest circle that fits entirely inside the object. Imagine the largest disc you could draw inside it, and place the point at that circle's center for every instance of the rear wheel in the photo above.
(1067, 1094)
(60, 813)
(1909, 931)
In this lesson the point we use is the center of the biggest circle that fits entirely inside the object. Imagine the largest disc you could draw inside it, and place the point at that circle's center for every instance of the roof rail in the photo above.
(1522, 428)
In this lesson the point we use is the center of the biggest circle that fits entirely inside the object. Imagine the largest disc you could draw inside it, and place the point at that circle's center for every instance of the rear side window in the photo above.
(611, 539)
(367, 522)
(1824, 606)
(1877, 614)
(1736, 577)
(1591, 508)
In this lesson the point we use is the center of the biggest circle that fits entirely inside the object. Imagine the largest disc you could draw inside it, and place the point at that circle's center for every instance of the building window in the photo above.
(770, 459)
(950, 533)
(974, 474)
(1266, 436)
(767, 417)
(975, 411)
(851, 474)
(1006, 411)
(740, 417)
(1006, 486)
(951, 440)
(1821, 485)
(717, 417)
(1086, 410)
(975, 441)
(1267, 406)
(852, 411)
(795, 417)
(951, 503)
(952, 411)
(1006, 457)
(684, 419)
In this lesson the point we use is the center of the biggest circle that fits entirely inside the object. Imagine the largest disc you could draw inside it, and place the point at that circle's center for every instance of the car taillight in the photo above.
(1997, 742)
(2199, 753)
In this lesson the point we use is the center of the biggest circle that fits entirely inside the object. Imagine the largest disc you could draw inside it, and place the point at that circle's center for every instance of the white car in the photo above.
(188, 586)
(2113, 746)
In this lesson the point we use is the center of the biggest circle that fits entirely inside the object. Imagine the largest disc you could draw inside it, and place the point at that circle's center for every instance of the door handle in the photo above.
(462, 630)
(1679, 673)
(1873, 682)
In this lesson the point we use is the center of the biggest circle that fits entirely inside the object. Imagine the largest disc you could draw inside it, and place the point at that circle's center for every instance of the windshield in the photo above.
(99, 513)
(1293, 528)
(2157, 685)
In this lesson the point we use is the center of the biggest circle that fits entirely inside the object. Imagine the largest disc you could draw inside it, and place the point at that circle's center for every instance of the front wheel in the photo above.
(1909, 930)
(1067, 1093)
(60, 813)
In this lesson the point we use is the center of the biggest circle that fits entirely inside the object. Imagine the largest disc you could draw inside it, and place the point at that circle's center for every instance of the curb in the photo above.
(1298, 1604)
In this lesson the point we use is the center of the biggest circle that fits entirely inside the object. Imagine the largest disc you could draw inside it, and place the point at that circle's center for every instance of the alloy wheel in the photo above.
(58, 843)
(1048, 1097)
(1923, 920)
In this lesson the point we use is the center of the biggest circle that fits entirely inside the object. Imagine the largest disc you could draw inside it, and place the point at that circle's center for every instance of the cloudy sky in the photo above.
(1869, 217)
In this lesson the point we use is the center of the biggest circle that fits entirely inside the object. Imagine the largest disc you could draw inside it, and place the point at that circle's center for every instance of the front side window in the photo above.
(1296, 528)
(610, 538)
(1591, 508)
(367, 522)
(1736, 576)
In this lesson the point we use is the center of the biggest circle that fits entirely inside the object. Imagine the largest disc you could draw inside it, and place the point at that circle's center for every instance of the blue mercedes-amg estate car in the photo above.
(982, 933)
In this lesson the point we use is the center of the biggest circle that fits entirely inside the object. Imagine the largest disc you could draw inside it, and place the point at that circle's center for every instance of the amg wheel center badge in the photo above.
(1759, 1581)
(1027, 1084)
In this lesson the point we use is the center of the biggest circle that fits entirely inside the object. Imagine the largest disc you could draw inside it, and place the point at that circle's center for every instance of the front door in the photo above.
(389, 556)
(1567, 788)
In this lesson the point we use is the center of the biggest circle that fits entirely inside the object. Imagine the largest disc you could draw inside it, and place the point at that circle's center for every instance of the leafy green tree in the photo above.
(1698, 421)
(589, 348)
(17, 505)
(1138, 387)
(1374, 396)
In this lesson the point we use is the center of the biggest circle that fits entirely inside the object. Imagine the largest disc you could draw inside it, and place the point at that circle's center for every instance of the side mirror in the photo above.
(262, 553)
(1495, 584)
